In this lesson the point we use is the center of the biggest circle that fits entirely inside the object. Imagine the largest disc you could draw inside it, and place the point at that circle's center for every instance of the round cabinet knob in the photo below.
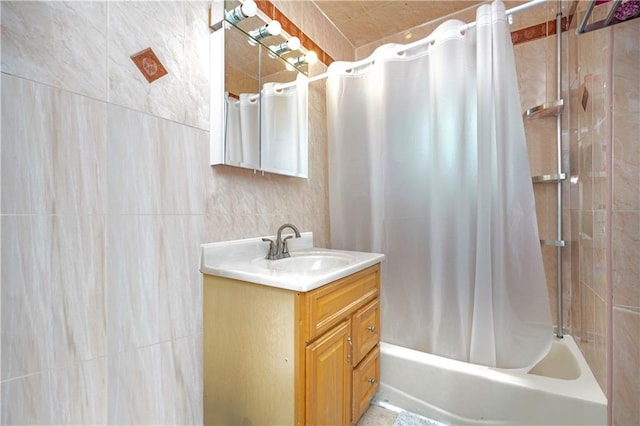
(371, 380)
(371, 328)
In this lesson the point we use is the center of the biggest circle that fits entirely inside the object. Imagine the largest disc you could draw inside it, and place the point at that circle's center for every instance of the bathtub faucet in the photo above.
(279, 249)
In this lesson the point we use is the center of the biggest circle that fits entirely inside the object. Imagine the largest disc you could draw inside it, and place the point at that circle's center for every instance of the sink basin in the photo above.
(310, 262)
(308, 267)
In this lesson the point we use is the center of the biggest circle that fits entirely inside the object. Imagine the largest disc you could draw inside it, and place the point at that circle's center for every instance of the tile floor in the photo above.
(377, 416)
(381, 416)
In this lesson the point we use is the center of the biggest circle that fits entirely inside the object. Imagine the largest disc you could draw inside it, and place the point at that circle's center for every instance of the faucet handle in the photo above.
(285, 248)
(271, 254)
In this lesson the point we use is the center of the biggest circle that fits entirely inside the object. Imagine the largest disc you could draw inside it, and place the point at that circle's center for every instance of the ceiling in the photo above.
(363, 21)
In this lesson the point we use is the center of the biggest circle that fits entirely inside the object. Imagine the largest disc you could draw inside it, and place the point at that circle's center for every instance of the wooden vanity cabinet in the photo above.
(275, 356)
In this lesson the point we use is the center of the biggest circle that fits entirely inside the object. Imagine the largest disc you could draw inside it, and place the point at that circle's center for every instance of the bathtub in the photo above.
(559, 390)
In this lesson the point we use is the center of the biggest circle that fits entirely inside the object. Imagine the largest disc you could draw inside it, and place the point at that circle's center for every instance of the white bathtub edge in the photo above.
(490, 395)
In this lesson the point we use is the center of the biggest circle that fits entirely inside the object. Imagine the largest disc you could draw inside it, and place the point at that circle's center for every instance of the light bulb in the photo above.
(311, 57)
(292, 44)
(246, 10)
(267, 30)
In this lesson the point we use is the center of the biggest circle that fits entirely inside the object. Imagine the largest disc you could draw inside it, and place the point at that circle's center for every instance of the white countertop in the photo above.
(245, 260)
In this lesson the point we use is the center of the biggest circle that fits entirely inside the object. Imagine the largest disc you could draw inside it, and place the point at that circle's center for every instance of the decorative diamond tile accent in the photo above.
(149, 65)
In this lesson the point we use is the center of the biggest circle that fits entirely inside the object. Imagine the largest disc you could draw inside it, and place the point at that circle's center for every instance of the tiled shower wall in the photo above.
(601, 199)
(588, 186)
(605, 193)
(106, 196)
(625, 226)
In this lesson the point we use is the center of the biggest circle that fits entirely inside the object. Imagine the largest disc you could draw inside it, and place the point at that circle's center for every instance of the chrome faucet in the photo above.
(279, 249)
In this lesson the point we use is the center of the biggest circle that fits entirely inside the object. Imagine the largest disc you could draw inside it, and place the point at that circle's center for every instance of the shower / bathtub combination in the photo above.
(560, 389)
(428, 164)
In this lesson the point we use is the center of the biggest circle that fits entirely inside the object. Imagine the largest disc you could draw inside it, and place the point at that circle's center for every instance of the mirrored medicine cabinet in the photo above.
(259, 96)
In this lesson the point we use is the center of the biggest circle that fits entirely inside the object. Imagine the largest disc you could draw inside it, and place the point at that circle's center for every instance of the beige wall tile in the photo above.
(78, 393)
(326, 35)
(62, 44)
(626, 172)
(592, 341)
(307, 16)
(599, 362)
(294, 10)
(626, 57)
(28, 400)
(159, 384)
(178, 33)
(27, 333)
(575, 315)
(531, 65)
(626, 258)
(78, 289)
(53, 153)
(134, 271)
(550, 271)
(155, 166)
(417, 31)
(541, 145)
(626, 367)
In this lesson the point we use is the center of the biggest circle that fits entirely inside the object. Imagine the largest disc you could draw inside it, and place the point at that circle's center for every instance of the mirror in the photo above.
(259, 99)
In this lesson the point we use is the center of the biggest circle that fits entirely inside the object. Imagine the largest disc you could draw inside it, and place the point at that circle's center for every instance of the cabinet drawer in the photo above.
(366, 329)
(365, 383)
(330, 304)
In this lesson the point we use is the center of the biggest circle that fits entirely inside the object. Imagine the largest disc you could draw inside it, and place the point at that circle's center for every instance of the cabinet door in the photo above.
(328, 382)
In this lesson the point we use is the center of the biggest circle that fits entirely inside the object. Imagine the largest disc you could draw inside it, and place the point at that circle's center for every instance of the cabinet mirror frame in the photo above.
(279, 89)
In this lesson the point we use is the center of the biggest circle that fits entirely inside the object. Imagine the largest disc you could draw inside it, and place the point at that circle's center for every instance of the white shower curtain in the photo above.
(428, 165)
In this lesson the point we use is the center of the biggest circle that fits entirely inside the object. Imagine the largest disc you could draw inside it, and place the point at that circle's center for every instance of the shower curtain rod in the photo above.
(404, 48)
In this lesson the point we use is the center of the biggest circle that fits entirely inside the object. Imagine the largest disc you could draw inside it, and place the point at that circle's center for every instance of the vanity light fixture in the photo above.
(269, 29)
(290, 45)
(310, 57)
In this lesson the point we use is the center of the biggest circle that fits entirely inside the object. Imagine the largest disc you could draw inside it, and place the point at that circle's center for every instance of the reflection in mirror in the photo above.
(264, 93)
(283, 130)
(242, 101)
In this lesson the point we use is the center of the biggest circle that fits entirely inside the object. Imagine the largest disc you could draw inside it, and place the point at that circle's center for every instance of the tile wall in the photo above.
(625, 228)
(307, 16)
(106, 196)
(589, 145)
(606, 163)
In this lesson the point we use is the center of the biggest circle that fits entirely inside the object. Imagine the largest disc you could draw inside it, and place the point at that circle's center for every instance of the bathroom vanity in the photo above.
(294, 344)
